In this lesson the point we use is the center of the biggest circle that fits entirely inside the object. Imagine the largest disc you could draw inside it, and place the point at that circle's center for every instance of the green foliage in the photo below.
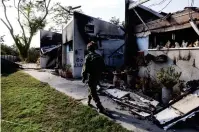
(8, 50)
(67, 67)
(60, 15)
(115, 21)
(31, 17)
(123, 24)
(33, 55)
(31, 105)
(168, 77)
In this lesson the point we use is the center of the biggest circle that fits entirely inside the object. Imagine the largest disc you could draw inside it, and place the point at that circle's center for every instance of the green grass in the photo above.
(29, 105)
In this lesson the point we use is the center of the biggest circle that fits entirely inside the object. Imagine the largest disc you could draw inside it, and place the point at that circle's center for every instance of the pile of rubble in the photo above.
(136, 103)
(179, 109)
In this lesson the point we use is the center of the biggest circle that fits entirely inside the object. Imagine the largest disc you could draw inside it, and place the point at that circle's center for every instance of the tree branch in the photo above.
(64, 9)
(24, 35)
(46, 8)
(10, 30)
(21, 11)
(5, 14)
(30, 39)
(5, 24)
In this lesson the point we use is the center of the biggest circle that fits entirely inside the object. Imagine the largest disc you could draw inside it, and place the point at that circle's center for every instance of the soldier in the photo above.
(92, 70)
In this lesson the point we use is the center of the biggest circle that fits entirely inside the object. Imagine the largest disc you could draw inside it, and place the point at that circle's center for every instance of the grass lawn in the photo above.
(30, 105)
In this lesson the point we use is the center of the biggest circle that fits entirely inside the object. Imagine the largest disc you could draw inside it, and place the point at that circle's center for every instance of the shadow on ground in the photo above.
(8, 67)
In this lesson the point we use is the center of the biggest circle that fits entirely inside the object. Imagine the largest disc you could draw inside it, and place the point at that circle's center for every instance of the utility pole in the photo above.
(131, 47)
(130, 40)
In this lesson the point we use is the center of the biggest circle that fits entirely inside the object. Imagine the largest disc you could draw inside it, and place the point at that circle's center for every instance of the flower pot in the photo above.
(62, 74)
(166, 95)
(59, 72)
(69, 75)
(65, 74)
(131, 78)
(116, 79)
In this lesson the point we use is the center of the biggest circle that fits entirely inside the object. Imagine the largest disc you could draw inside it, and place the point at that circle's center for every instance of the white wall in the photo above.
(70, 60)
(186, 67)
(67, 35)
(143, 44)
(78, 48)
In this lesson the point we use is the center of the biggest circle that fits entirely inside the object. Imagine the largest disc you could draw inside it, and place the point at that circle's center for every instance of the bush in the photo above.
(168, 77)
(9, 50)
(33, 55)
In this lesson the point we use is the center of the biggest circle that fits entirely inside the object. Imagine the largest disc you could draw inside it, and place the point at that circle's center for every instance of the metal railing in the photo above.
(111, 56)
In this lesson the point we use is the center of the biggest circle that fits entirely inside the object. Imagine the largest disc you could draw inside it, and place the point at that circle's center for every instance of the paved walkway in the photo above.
(77, 90)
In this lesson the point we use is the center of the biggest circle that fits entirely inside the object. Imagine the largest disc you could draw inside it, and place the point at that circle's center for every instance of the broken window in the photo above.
(69, 46)
(174, 39)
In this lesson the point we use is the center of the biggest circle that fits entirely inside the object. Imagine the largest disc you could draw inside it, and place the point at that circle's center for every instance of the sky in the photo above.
(104, 9)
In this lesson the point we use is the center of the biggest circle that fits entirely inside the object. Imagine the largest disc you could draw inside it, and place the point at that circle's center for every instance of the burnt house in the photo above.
(49, 44)
(80, 31)
(174, 36)
(135, 16)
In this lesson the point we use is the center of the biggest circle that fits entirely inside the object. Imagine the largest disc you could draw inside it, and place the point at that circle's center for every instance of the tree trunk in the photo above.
(23, 51)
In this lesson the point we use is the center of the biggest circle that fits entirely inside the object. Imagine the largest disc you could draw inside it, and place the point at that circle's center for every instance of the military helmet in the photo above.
(91, 46)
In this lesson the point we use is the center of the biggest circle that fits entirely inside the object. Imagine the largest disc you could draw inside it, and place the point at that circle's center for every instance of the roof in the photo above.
(173, 21)
(101, 27)
(146, 9)
(179, 111)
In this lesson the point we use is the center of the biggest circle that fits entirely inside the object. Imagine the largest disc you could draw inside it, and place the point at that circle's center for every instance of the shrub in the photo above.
(168, 76)
(33, 55)
(9, 50)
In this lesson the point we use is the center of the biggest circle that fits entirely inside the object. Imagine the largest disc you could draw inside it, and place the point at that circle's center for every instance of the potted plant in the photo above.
(66, 71)
(168, 77)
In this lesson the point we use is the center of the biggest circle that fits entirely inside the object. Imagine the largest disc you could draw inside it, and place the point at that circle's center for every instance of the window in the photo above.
(69, 46)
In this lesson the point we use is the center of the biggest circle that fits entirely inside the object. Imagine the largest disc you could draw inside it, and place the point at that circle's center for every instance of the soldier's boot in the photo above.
(89, 100)
(100, 108)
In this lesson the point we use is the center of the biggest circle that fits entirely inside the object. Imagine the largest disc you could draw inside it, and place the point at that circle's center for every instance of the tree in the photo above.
(31, 16)
(2, 39)
(115, 21)
(8, 50)
(61, 14)
(123, 24)
(34, 55)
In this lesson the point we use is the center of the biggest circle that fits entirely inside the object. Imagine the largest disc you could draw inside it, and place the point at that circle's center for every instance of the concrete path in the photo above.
(77, 90)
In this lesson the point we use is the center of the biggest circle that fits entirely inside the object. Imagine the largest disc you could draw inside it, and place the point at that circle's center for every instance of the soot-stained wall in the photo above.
(48, 39)
(111, 38)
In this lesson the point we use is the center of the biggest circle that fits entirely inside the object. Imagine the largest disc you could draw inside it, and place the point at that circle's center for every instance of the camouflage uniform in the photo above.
(91, 71)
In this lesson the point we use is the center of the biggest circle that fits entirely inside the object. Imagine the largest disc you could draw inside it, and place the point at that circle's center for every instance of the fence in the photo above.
(10, 58)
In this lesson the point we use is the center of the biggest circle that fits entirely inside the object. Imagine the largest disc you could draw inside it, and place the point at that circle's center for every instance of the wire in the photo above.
(161, 2)
(192, 3)
(190, 14)
(165, 6)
